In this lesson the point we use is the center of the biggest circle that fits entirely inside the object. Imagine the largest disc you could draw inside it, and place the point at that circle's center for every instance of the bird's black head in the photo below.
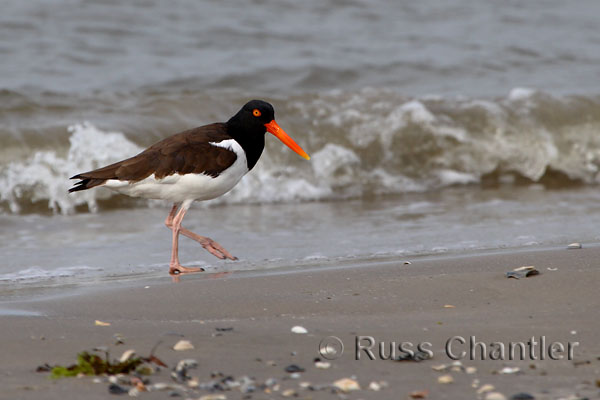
(253, 117)
(248, 128)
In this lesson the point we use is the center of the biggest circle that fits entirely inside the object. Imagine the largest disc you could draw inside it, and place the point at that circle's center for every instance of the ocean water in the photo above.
(433, 128)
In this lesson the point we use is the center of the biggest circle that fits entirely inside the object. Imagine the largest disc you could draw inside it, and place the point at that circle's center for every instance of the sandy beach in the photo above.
(449, 143)
(240, 325)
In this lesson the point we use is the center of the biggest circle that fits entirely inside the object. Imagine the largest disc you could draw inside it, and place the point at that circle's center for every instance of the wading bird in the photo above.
(199, 164)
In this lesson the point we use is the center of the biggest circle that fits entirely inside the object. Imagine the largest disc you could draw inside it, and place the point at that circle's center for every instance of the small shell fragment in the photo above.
(213, 397)
(444, 379)
(522, 272)
(495, 396)
(101, 323)
(374, 386)
(127, 355)
(419, 394)
(322, 364)
(159, 386)
(470, 370)
(183, 345)
(524, 268)
(574, 246)
(346, 385)
(509, 370)
(485, 388)
(299, 330)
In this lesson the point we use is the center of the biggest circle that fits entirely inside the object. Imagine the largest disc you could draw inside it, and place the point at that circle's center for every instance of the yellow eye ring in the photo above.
(256, 112)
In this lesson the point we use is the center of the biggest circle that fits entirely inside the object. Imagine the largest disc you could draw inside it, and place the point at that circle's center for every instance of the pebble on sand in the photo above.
(213, 397)
(495, 396)
(293, 368)
(116, 389)
(180, 371)
(145, 370)
(509, 370)
(346, 385)
(299, 330)
(522, 396)
(522, 272)
(322, 364)
(183, 345)
(445, 379)
(419, 394)
(485, 388)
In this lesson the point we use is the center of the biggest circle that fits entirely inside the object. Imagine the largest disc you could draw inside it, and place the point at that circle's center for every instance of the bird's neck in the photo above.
(252, 141)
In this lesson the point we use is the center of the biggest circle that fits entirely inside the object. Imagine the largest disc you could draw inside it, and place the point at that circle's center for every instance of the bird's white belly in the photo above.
(178, 188)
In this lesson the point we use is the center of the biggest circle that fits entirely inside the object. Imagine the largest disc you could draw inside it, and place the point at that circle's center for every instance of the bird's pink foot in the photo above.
(215, 248)
(176, 269)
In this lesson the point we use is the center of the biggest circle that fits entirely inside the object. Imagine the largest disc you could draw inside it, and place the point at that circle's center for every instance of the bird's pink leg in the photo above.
(175, 223)
(210, 245)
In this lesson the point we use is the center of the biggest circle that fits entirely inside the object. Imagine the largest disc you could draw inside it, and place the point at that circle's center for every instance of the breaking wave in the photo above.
(363, 143)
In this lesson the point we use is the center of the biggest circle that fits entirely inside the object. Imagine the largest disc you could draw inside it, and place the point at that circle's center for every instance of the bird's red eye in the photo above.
(256, 112)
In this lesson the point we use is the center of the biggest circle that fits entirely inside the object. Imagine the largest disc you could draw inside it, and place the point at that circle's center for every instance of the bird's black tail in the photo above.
(85, 183)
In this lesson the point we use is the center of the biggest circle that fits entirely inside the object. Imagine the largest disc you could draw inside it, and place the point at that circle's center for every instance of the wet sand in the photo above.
(387, 300)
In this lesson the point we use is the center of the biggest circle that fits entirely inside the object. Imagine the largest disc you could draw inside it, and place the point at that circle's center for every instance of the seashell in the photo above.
(299, 329)
(346, 385)
(126, 355)
(183, 345)
(495, 396)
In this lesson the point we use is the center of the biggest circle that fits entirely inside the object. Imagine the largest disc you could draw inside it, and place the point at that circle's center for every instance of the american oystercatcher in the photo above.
(199, 164)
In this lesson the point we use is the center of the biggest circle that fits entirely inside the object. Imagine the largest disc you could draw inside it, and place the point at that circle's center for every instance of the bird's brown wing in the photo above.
(182, 153)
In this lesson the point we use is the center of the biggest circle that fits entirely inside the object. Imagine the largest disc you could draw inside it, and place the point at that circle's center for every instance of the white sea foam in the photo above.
(45, 176)
(36, 273)
(520, 94)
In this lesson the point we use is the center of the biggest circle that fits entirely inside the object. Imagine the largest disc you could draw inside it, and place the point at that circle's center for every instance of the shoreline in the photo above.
(431, 300)
(54, 289)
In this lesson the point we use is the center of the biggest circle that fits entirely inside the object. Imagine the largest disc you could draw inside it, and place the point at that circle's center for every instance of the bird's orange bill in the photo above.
(273, 127)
